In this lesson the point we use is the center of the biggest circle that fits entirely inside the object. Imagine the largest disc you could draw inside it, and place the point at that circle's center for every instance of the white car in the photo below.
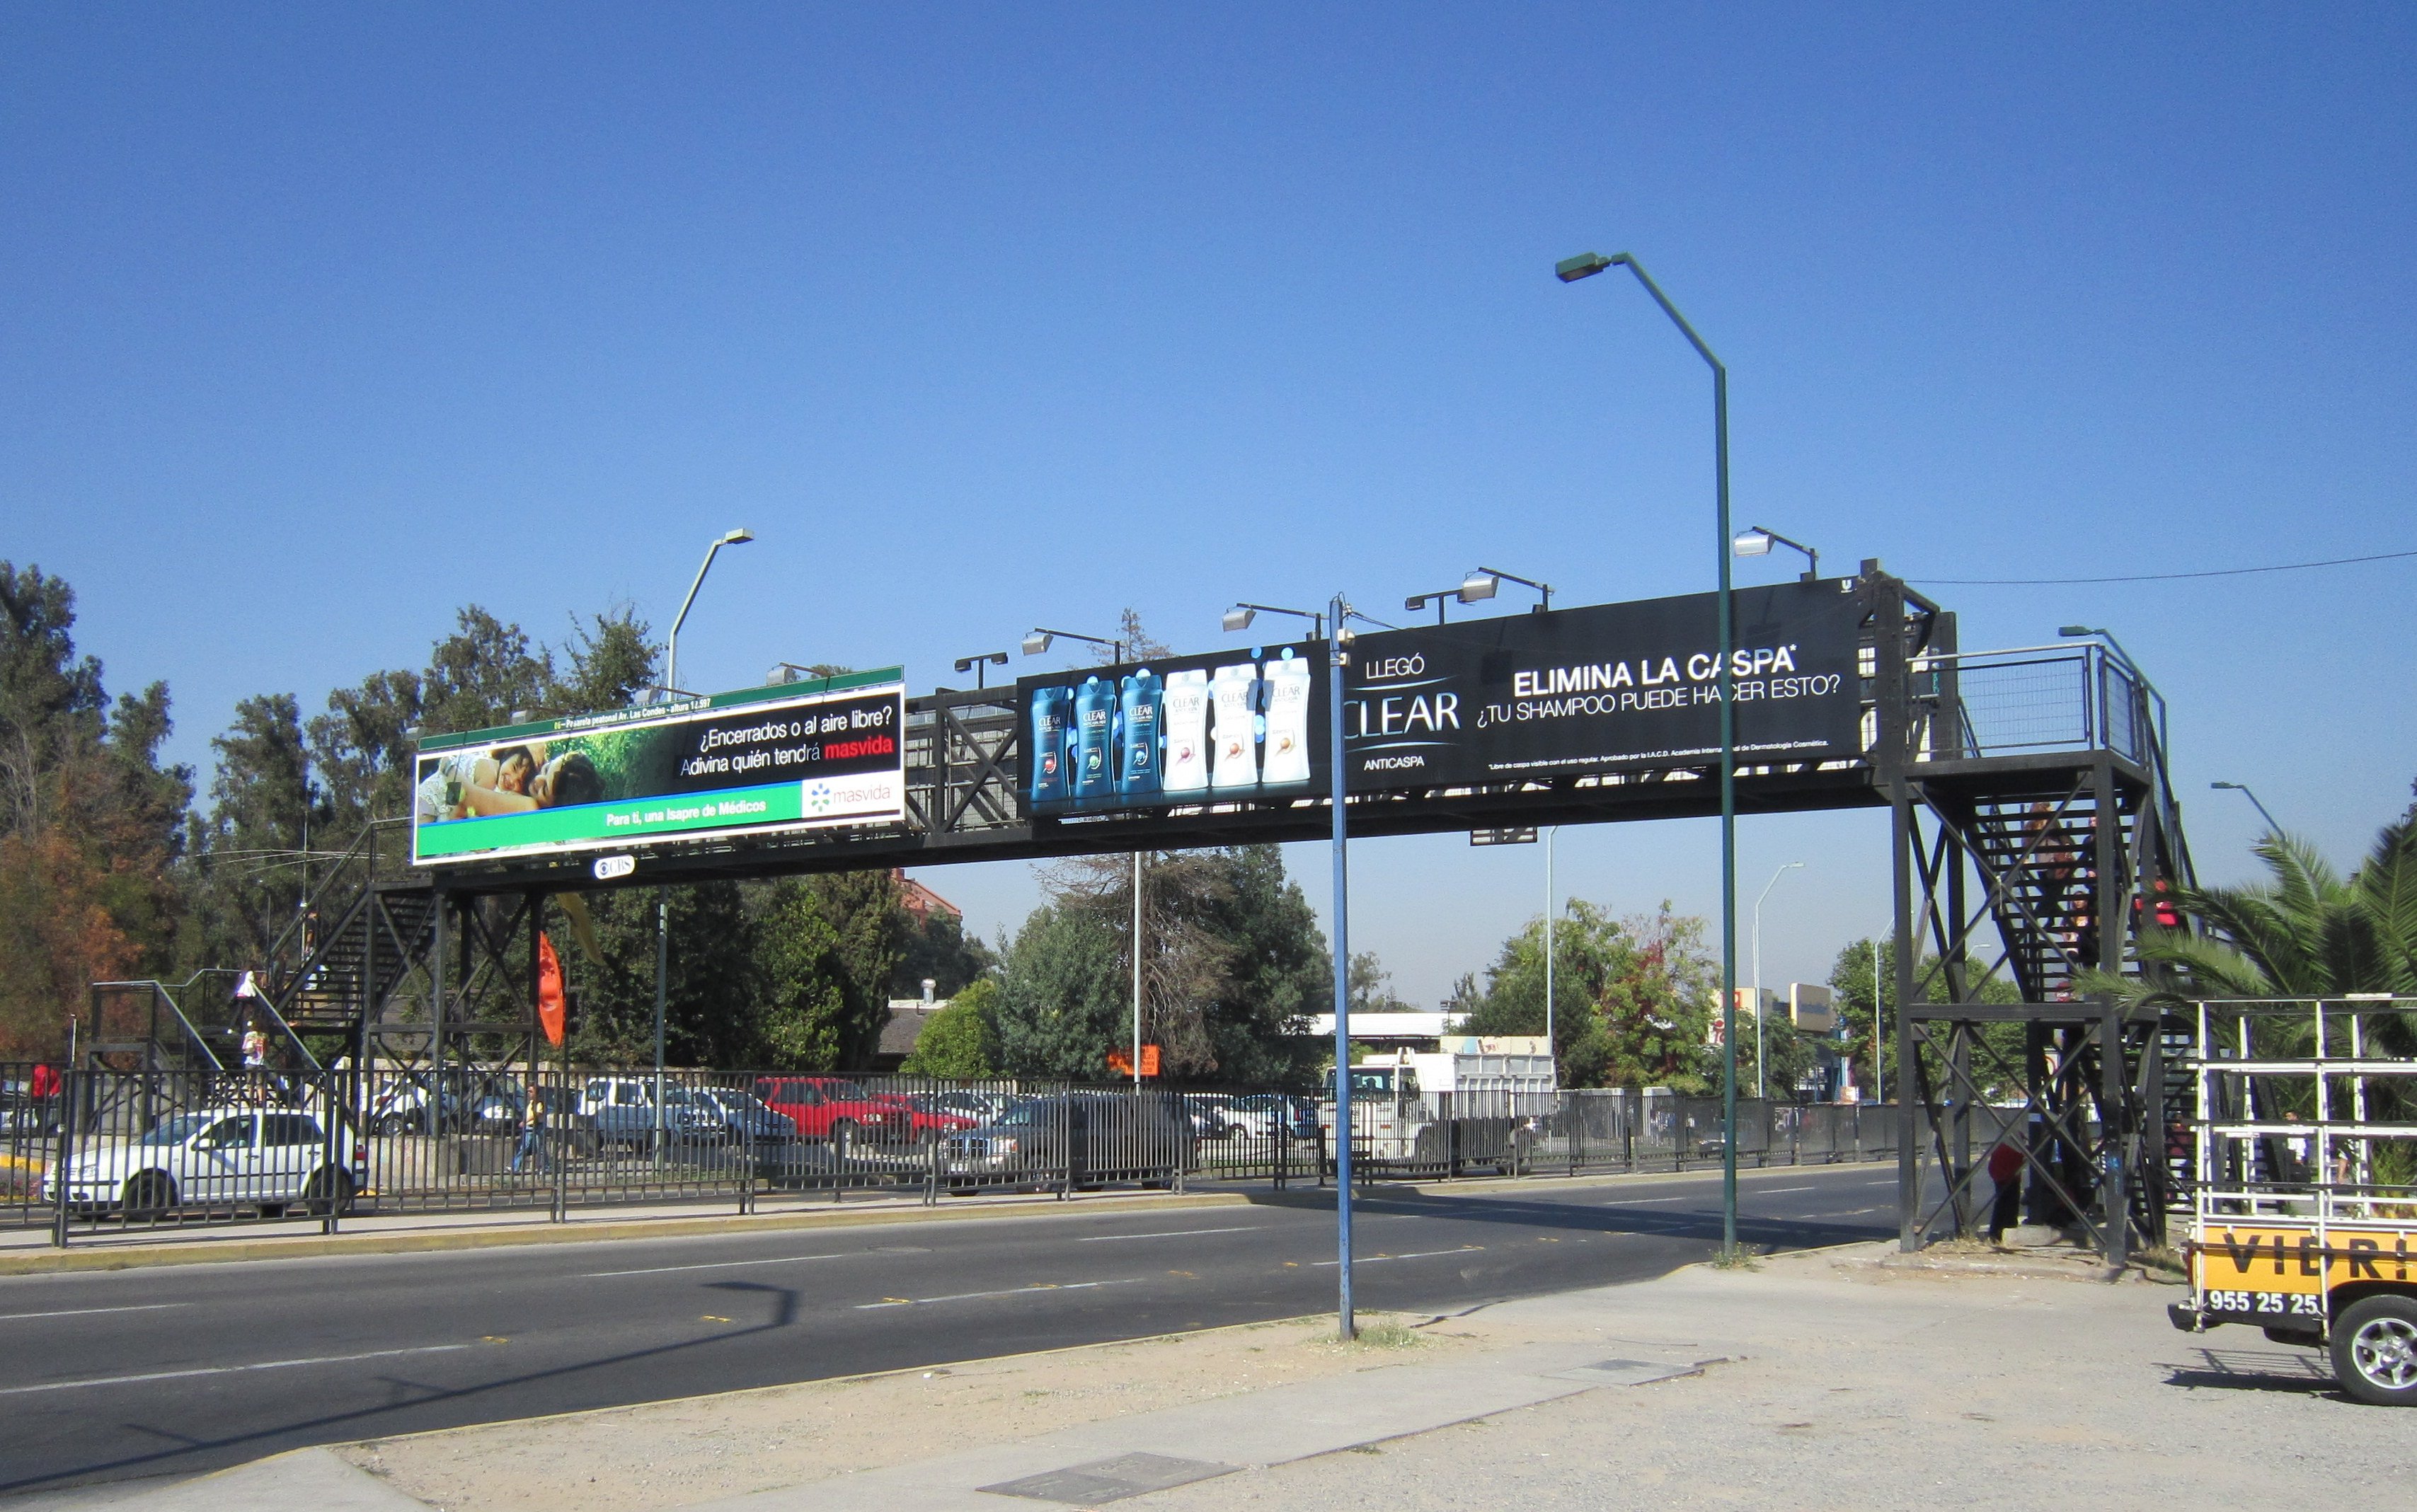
(259, 1157)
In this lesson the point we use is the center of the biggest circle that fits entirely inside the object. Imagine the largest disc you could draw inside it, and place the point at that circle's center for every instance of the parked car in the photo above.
(828, 1106)
(622, 1112)
(217, 1157)
(468, 1102)
(973, 1107)
(1259, 1115)
(1206, 1112)
(745, 1117)
(1084, 1138)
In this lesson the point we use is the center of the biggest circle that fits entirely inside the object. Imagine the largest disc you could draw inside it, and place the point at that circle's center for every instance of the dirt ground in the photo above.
(670, 1454)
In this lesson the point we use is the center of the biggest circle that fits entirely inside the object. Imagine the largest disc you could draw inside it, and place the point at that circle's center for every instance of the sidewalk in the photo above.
(1821, 1379)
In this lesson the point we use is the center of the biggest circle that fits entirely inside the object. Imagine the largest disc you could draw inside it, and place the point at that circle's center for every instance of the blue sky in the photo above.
(318, 323)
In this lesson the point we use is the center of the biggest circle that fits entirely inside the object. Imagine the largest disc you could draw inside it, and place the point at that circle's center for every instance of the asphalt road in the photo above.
(182, 1370)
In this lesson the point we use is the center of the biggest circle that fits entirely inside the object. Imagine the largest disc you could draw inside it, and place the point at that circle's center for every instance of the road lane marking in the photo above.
(714, 1265)
(1774, 1191)
(86, 1313)
(1640, 1201)
(1422, 1254)
(1010, 1292)
(1171, 1233)
(230, 1369)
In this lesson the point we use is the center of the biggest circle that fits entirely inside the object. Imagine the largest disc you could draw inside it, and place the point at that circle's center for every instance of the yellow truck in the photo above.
(2302, 1217)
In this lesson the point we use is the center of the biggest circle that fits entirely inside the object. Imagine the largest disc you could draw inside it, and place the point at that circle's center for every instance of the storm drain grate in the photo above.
(1109, 1480)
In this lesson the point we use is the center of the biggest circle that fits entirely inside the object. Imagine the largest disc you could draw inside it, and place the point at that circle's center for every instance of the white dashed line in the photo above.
(976, 1296)
(714, 1265)
(229, 1369)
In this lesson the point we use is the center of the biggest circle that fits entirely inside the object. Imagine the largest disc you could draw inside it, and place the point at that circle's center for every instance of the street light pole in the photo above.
(1586, 264)
(2242, 788)
(1791, 866)
(663, 894)
(1552, 1046)
(1338, 660)
(1035, 644)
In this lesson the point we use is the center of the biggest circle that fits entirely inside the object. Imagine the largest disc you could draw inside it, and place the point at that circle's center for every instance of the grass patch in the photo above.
(2162, 1259)
(1376, 1333)
(1743, 1258)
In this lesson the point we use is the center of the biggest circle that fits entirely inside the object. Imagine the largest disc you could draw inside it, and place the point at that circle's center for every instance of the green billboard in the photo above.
(766, 759)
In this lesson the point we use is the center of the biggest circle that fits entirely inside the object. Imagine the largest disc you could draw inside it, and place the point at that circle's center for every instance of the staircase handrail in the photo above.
(160, 992)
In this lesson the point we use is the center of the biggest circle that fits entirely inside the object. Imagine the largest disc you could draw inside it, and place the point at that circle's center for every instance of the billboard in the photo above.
(1515, 697)
(1174, 731)
(1606, 689)
(764, 761)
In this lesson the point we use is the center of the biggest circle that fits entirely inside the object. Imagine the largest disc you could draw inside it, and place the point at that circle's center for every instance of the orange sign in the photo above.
(1121, 1060)
(549, 990)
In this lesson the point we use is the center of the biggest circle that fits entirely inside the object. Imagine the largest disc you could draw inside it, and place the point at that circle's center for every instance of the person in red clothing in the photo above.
(2006, 1170)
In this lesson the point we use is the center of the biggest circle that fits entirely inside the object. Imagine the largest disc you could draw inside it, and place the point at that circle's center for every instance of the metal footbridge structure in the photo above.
(2034, 832)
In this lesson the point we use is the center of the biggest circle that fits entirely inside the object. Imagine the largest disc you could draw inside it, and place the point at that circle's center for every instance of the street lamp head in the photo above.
(1238, 618)
(1751, 543)
(2071, 631)
(1417, 601)
(1477, 586)
(737, 538)
(996, 659)
(2227, 787)
(1037, 642)
(1584, 265)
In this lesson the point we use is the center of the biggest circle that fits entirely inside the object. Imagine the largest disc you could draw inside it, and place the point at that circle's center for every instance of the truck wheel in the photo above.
(2375, 1351)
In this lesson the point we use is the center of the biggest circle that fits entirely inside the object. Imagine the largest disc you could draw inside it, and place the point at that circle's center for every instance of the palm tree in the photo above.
(2308, 933)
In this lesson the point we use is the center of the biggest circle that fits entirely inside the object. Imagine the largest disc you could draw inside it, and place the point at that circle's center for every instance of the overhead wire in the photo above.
(2158, 577)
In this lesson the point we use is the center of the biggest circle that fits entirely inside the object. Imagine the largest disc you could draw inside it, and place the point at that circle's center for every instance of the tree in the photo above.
(1633, 999)
(1372, 986)
(1997, 1067)
(961, 1040)
(939, 949)
(2306, 932)
(249, 882)
(1061, 1000)
(830, 944)
(91, 826)
(713, 992)
(1232, 966)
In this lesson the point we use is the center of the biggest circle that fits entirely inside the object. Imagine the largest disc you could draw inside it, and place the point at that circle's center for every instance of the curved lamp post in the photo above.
(1585, 265)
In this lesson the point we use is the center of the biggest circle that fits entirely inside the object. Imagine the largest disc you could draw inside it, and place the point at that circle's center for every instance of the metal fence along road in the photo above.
(95, 1150)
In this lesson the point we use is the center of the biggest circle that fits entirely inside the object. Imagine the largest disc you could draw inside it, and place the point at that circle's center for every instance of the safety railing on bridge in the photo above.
(2076, 696)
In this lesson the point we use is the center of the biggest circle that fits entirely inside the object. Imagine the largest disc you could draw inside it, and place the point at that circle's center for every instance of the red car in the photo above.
(821, 1104)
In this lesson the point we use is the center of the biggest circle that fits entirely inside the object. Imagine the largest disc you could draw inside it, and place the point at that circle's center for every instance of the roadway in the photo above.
(180, 1370)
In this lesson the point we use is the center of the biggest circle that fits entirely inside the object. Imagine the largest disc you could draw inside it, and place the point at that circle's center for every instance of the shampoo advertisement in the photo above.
(1510, 698)
(1611, 688)
(764, 761)
(1174, 731)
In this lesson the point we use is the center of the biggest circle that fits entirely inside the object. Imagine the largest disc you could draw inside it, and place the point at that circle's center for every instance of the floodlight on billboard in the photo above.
(804, 756)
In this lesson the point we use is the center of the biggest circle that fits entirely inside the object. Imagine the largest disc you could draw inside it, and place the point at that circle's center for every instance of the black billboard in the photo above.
(1513, 698)
(1606, 689)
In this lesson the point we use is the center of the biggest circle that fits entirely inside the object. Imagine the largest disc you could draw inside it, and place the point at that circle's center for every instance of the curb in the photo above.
(1482, 1186)
(319, 1247)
